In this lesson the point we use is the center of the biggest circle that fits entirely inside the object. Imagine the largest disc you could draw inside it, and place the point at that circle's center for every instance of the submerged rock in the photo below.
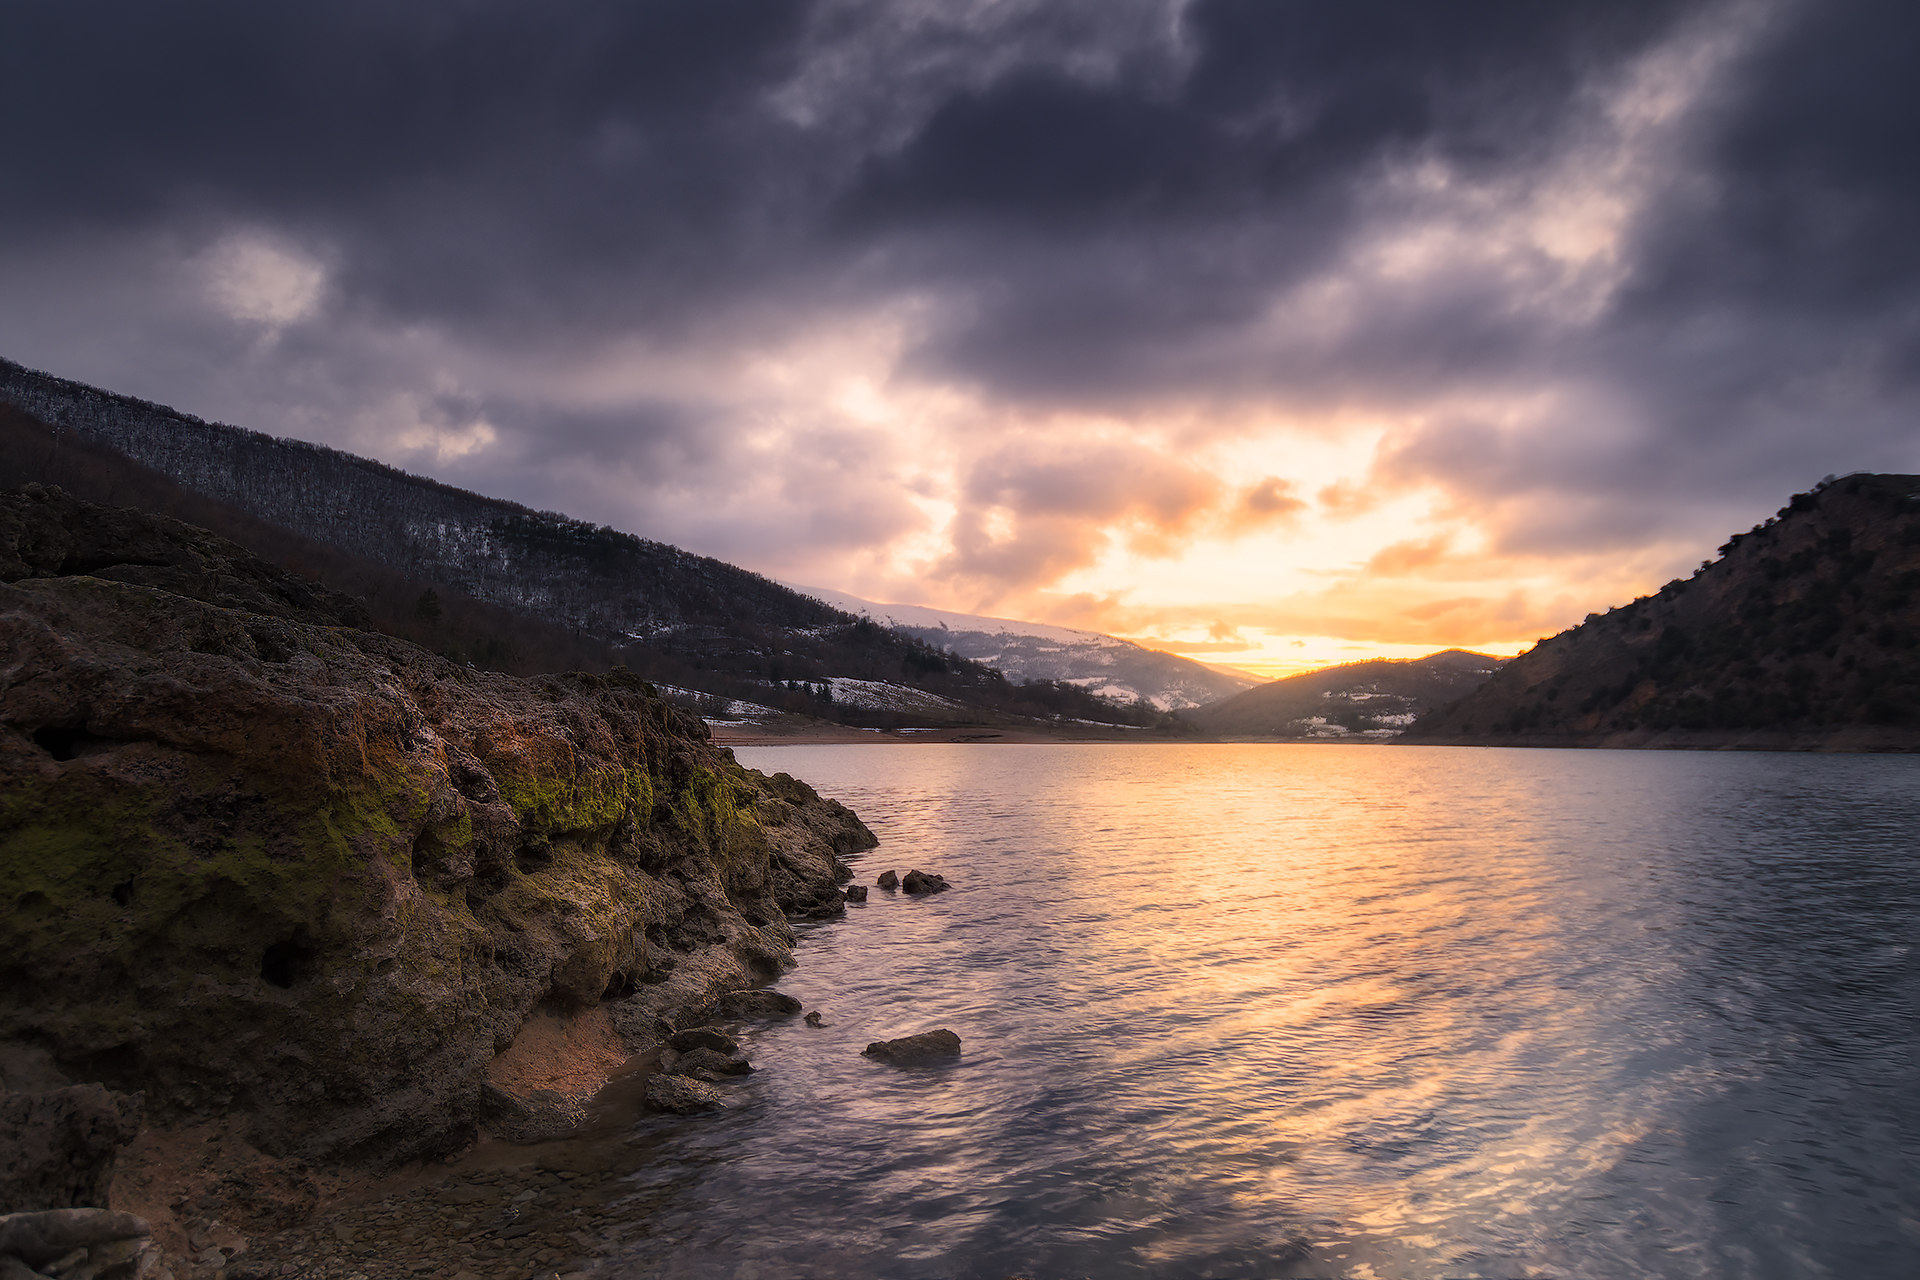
(908, 1050)
(924, 882)
(704, 1064)
(682, 1096)
(264, 862)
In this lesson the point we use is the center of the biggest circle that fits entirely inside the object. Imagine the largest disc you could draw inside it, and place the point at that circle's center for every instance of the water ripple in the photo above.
(1303, 1011)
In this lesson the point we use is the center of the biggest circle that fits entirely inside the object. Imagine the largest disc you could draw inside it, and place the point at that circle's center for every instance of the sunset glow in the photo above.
(1258, 335)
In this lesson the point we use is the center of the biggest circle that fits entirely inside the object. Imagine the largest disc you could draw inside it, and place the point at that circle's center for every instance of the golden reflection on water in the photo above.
(1310, 1011)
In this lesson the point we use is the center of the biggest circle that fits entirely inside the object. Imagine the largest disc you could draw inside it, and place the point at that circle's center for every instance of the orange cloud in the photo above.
(1402, 558)
(1345, 499)
(1269, 502)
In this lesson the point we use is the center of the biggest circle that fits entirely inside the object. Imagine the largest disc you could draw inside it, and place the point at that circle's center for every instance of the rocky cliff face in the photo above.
(260, 861)
(1804, 635)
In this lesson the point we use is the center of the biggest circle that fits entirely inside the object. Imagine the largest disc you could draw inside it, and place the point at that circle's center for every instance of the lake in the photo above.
(1300, 1011)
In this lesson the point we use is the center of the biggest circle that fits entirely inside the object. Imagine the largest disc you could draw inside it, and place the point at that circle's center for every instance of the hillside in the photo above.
(495, 584)
(1026, 652)
(1364, 701)
(1803, 635)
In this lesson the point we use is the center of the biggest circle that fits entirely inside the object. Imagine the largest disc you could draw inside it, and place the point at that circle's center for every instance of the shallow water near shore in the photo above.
(1325, 1011)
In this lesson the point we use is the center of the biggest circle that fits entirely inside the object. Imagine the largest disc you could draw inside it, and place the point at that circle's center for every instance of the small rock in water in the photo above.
(704, 1064)
(752, 1003)
(813, 1019)
(888, 880)
(856, 893)
(704, 1038)
(924, 882)
(908, 1050)
(681, 1096)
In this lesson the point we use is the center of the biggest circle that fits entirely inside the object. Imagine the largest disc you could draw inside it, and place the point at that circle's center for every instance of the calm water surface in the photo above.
(1323, 1011)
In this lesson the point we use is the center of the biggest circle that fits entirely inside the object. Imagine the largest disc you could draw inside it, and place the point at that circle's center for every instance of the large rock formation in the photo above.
(57, 1148)
(261, 861)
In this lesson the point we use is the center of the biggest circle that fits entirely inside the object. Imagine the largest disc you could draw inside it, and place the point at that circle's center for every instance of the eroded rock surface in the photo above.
(682, 1095)
(919, 882)
(52, 1236)
(737, 1004)
(266, 863)
(57, 1148)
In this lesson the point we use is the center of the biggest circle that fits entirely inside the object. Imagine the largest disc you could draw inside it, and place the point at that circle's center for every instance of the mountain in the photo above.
(467, 574)
(1358, 701)
(1028, 652)
(1803, 635)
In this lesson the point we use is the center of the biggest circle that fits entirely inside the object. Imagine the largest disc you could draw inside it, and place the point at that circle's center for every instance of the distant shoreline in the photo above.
(816, 735)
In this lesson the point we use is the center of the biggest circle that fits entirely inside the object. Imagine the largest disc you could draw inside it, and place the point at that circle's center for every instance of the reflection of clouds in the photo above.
(1311, 1011)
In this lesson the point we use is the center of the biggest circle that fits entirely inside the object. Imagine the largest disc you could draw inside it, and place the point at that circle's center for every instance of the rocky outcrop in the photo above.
(927, 1046)
(918, 882)
(736, 1004)
(57, 1149)
(264, 862)
(682, 1095)
(704, 1064)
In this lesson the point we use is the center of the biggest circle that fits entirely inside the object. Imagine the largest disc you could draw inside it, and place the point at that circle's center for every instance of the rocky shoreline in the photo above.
(334, 906)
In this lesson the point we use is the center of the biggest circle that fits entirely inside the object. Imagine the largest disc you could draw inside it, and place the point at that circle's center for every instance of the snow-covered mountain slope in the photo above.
(1372, 700)
(1029, 651)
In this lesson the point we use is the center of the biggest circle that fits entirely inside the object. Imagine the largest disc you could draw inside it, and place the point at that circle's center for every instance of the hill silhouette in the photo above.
(1803, 635)
(1372, 700)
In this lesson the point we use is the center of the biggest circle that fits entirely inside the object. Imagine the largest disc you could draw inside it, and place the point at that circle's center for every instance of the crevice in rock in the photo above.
(62, 742)
(289, 962)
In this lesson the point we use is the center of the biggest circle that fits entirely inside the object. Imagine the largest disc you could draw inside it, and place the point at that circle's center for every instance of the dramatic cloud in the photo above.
(1263, 323)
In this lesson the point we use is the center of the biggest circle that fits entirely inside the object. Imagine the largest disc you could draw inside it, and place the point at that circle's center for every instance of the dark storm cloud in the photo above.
(1091, 207)
(468, 158)
(1816, 162)
(1109, 234)
(1281, 99)
(478, 161)
(1769, 327)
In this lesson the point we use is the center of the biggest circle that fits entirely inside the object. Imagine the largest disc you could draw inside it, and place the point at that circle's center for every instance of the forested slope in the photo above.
(1375, 699)
(1804, 634)
(491, 582)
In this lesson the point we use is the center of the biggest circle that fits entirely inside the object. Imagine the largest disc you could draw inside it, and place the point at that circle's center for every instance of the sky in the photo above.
(1269, 332)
